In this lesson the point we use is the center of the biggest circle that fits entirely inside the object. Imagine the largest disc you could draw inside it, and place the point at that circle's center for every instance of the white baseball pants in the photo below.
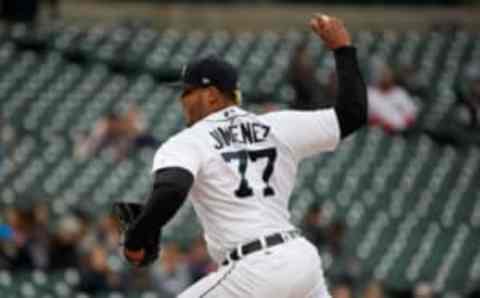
(288, 270)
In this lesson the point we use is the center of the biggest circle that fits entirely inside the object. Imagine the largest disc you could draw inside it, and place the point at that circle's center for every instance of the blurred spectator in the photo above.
(423, 290)
(171, 274)
(302, 79)
(200, 263)
(118, 132)
(342, 288)
(335, 237)
(463, 123)
(6, 236)
(313, 226)
(106, 234)
(374, 289)
(19, 250)
(41, 235)
(66, 242)
(389, 105)
(341, 291)
(342, 266)
(96, 274)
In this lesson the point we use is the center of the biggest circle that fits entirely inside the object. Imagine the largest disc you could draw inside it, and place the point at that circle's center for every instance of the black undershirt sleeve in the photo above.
(351, 101)
(170, 189)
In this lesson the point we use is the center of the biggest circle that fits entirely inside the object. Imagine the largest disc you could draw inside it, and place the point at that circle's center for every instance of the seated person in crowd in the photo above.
(301, 77)
(16, 251)
(171, 274)
(118, 132)
(389, 105)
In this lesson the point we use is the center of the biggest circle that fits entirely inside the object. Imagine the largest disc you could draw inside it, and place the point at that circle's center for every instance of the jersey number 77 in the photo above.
(244, 156)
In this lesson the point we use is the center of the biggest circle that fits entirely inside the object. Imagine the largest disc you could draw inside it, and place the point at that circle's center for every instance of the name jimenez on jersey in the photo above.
(244, 133)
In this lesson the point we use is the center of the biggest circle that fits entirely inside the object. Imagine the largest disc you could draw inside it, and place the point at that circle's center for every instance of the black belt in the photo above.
(251, 247)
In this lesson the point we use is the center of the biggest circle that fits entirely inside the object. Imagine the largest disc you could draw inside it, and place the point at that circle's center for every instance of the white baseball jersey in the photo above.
(244, 167)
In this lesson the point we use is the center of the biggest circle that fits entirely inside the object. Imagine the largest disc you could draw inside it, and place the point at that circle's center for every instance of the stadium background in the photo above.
(404, 208)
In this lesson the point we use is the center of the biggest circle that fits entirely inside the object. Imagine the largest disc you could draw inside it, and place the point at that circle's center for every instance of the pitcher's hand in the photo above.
(331, 30)
(135, 257)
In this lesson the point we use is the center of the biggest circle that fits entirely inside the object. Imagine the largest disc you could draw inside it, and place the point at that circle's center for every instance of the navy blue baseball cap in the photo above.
(209, 71)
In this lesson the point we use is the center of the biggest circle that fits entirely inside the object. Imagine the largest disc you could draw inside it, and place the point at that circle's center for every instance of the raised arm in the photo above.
(351, 101)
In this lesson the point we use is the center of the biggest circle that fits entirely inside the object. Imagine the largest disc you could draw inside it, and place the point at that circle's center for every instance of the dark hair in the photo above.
(230, 95)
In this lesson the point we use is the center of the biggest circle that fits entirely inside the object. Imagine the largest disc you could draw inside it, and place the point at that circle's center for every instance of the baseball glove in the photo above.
(126, 214)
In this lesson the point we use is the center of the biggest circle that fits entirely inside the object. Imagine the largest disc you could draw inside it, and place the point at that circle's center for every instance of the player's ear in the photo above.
(213, 95)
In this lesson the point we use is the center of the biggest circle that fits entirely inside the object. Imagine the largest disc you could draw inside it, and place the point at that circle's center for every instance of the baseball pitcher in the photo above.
(238, 169)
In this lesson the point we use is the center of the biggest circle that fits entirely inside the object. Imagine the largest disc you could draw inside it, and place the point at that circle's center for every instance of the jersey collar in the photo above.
(226, 114)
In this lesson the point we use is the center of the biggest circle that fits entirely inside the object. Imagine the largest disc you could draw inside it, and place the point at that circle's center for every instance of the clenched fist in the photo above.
(134, 257)
(331, 30)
